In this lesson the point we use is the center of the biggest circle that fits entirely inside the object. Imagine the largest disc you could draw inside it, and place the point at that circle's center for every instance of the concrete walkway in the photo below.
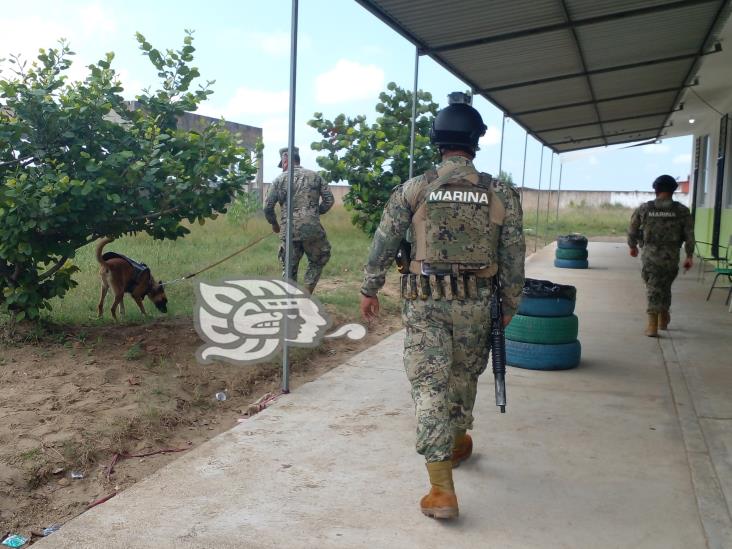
(633, 449)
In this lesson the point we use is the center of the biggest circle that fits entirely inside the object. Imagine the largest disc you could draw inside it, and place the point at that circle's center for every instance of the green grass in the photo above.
(207, 244)
(216, 239)
(603, 221)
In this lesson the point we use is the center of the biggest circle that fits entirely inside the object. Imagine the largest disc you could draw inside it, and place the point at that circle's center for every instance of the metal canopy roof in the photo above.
(574, 73)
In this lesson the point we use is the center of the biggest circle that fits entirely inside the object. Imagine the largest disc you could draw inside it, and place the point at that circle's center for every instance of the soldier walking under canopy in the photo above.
(660, 226)
(466, 228)
(308, 235)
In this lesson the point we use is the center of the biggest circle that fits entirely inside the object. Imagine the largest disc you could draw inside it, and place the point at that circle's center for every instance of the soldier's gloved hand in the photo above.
(369, 307)
(634, 251)
(276, 228)
(688, 263)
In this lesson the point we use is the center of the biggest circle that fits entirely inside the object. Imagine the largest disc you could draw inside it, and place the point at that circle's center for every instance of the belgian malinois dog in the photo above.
(122, 274)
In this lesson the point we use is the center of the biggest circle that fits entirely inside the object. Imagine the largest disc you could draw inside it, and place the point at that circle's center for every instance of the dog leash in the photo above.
(219, 262)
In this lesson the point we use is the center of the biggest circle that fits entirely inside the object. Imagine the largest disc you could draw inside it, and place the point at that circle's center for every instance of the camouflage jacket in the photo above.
(397, 219)
(307, 207)
(663, 224)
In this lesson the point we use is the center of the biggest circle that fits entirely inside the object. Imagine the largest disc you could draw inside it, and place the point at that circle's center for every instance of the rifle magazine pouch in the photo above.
(447, 287)
(472, 286)
(460, 283)
(435, 287)
(422, 288)
(412, 286)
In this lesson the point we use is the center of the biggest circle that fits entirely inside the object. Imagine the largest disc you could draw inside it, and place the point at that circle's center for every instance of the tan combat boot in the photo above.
(310, 288)
(664, 318)
(441, 502)
(462, 448)
(652, 328)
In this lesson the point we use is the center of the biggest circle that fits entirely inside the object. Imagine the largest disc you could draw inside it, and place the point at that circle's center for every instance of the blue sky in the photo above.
(346, 58)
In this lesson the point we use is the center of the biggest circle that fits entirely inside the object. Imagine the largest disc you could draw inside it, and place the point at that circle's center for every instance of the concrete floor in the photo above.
(631, 449)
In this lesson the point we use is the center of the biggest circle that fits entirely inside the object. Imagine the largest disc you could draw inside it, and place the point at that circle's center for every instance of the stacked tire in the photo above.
(543, 333)
(571, 252)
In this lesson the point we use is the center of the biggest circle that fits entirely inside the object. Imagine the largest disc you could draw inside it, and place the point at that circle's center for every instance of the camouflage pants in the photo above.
(317, 251)
(660, 268)
(445, 351)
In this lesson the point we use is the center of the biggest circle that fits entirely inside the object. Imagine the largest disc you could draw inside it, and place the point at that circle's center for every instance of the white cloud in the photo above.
(684, 159)
(593, 160)
(26, 35)
(348, 81)
(132, 87)
(492, 137)
(248, 103)
(274, 132)
(277, 43)
(96, 19)
(656, 148)
(584, 153)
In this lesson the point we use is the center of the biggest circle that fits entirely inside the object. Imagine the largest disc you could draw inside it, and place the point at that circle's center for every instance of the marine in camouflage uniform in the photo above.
(312, 198)
(660, 227)
(451, 212)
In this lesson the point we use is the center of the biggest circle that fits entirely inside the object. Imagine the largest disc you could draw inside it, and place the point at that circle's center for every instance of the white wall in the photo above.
(633, 199)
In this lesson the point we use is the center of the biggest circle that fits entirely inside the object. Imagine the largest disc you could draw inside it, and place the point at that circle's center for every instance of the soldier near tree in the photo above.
(465, 228)
(660, 227)
(311, 199)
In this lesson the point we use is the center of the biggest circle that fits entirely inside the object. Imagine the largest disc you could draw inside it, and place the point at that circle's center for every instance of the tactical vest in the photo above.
(456, 225)
(662, 226)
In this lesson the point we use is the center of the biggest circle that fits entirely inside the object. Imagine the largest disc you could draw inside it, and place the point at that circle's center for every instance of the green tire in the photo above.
(571, 253)
(545, 330)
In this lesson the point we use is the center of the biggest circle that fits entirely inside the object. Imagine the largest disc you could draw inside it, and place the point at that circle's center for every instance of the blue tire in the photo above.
(570, 253)
(534, 356)
(571, 263)
(545, 306)
(545, 330)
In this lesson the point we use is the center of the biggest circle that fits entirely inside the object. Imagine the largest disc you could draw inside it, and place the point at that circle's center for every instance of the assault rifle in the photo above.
(498, 345)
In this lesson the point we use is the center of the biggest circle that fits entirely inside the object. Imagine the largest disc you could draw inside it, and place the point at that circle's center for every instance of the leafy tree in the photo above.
(245, 205)
(77, 164)
(505, 177)
(374, 158)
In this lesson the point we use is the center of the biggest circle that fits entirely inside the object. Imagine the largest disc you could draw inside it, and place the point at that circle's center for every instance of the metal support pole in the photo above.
(538, 198)
(559, 191)
(290, 177)
(414, 113)
(523, 170)
(549, 197)
(500, 157)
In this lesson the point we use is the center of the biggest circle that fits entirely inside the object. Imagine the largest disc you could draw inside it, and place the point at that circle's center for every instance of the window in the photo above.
(702, 157)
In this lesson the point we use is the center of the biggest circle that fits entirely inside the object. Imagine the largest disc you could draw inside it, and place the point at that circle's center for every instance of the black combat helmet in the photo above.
(458, 124)
(665, 184)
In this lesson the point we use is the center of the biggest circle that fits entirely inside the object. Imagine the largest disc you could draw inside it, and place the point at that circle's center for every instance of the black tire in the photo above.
(534, 287)
(532, 356)
(545, 306)
(571, 263)
(572, 241)
(544, 330)
(571, 253)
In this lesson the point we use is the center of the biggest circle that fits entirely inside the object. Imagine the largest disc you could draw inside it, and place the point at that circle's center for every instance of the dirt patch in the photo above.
(76, 398)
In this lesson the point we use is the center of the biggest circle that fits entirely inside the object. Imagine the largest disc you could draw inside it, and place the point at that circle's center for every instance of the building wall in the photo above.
(593, 199)
(704, 215)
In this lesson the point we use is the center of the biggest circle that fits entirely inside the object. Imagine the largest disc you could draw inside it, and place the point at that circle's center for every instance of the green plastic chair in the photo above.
(724, 268)
(703, 259)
